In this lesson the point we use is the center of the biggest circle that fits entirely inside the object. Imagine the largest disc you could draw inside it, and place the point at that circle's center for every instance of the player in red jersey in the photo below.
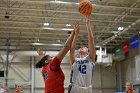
(51, 70)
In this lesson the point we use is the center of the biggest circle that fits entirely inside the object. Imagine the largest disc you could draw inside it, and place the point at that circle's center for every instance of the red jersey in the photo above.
(53, 77)
(129, 91)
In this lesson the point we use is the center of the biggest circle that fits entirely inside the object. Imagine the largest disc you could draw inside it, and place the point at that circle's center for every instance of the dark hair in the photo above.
(41, 63)
(96, 58)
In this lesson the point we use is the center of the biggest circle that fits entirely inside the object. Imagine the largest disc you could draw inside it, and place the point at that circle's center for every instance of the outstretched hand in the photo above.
(76, 28)
(41, 53)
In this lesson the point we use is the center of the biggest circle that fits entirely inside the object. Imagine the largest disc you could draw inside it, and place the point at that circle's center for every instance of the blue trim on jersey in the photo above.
(71, 76)
(81, 61)
(92, 70)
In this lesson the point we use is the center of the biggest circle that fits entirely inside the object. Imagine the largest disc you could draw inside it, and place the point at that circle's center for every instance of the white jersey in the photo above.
(81, 75)
(1, 90)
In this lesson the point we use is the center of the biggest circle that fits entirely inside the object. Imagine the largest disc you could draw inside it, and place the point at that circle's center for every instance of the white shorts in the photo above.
(78, 89)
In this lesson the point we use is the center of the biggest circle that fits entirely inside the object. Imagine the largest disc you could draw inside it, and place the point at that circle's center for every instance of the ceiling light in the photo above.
(67, 29)
(61, 2)
(139, 32)
(37, 44)
(57, 29)
(47, 44)
(48, 28)
(120, 28)
(46, 24)
(68, 24)
(98, 46)
(57, 44)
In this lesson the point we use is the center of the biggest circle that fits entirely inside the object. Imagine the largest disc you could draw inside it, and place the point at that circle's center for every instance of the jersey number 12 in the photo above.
(82, 69)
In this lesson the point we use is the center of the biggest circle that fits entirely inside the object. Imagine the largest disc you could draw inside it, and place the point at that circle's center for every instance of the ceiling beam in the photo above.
(72, 4)
(47, 28)
(68, 12)
(61, 24)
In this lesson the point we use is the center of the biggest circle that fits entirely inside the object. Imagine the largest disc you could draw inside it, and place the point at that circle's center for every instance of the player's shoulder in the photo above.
(1, 90)
(89, 59)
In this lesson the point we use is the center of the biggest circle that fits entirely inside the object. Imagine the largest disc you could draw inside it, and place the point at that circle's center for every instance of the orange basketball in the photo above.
(85, 7)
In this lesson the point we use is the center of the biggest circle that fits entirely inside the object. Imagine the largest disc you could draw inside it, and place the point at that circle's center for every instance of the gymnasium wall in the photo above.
(128, 69)
(21, 70)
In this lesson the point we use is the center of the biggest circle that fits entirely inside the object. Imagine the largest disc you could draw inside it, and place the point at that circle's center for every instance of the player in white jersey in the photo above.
(82, 67)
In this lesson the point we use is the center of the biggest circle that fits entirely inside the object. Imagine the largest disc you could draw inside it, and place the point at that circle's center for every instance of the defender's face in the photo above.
(49, 60)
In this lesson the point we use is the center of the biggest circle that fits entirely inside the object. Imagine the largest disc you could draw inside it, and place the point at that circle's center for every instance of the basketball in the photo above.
(85, 7)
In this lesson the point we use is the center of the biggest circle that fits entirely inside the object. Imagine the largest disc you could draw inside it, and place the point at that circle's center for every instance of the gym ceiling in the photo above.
(46, 24)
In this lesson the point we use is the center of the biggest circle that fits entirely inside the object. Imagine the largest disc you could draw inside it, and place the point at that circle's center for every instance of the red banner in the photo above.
(125, 46)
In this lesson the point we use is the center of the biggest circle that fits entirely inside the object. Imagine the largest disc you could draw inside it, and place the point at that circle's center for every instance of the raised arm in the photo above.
(66, 47)
(92, 50)
(72, 49)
